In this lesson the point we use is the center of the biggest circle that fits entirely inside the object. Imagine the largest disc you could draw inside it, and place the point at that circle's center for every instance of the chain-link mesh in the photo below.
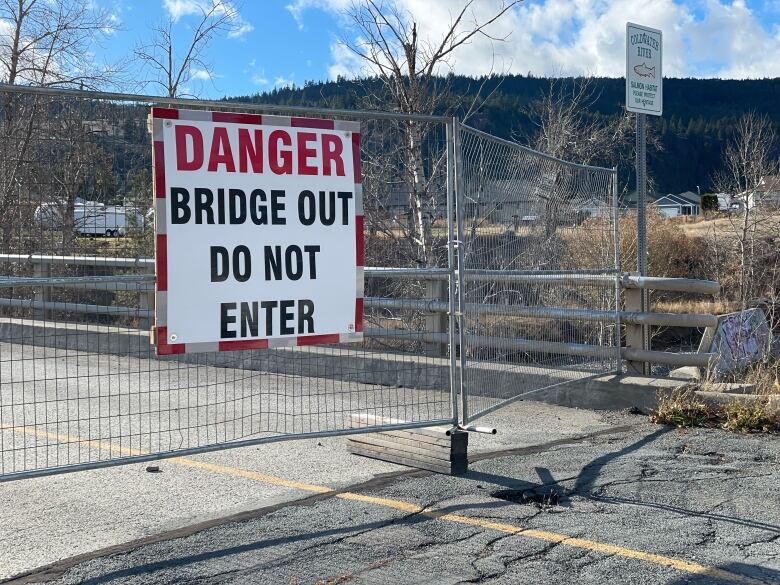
(80, 384)
(539, 271)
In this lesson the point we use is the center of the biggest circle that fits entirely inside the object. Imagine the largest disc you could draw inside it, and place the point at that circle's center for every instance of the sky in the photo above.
(278, 43)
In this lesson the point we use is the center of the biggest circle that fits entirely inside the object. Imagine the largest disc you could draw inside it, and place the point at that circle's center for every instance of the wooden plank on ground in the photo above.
(428, 448)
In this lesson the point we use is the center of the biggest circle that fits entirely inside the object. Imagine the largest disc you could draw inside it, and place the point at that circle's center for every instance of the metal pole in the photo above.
(641, 219)
(459, 211)
(618, 288)
(451, 323)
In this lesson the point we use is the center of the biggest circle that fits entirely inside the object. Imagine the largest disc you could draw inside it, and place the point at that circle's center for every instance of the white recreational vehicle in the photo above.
(91, 218)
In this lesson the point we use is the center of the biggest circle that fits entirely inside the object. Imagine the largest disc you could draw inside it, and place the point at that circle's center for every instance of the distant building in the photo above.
(766, 193)
(672, 205)
(629, 200)
(724, 200)
(691, 196)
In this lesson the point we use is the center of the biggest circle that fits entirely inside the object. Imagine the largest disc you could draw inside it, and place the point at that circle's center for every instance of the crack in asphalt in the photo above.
(488, 554)
(58, 568)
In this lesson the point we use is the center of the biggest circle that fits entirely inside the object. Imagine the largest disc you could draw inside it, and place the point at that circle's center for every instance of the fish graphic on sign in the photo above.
(644, 71)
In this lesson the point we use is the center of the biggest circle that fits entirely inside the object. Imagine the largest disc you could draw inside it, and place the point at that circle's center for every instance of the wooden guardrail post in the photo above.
(436, 322)
(635, 336)
(146, 303)
(42, 293)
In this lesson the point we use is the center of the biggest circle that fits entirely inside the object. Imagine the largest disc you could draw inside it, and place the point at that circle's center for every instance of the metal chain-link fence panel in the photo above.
(538, 271)
(80, 384)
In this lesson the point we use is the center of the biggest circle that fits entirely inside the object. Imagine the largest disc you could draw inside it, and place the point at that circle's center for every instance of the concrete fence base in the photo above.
(568, 388)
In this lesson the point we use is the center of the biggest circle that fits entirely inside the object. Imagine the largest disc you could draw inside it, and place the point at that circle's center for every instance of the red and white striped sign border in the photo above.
(159, 116)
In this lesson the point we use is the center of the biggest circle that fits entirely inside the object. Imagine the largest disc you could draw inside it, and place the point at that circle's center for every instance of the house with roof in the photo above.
(630, 200)
(765, 194)
(672, 205)
(723, 201)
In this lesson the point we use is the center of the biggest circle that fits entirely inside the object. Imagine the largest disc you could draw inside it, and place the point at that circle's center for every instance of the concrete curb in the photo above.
(495, 381)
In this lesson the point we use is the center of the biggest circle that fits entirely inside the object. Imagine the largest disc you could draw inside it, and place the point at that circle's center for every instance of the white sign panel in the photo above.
(259, 226)
(644, 73)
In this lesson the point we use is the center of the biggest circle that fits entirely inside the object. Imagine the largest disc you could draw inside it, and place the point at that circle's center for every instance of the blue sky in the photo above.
(283, 42)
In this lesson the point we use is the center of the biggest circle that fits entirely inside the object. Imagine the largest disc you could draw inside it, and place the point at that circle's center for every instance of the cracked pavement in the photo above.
(703, 497)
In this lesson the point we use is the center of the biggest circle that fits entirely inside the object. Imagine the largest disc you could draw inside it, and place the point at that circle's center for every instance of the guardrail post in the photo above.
(436, 322)
(146, 303)
(42, 293)
(635, 333)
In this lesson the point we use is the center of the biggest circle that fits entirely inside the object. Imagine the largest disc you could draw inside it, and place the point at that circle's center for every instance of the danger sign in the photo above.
(259, 231)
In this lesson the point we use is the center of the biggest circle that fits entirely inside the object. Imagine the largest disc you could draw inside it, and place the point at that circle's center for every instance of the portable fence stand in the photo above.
(439, 449)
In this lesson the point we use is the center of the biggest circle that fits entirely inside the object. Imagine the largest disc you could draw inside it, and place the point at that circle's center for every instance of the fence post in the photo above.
(42, 269)
(452, 278)
(461, 264)
(618, 270)
(635, 334)
(146, 302)
(436, 322)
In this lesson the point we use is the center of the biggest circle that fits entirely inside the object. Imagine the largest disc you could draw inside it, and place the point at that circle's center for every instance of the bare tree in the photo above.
(173, 68)
(46, 44)
(51, 43)
(408, 67)
(747, 159)
(567, 130)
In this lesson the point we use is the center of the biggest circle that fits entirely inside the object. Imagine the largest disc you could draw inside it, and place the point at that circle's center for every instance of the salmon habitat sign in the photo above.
(259, 231)
(644, 75)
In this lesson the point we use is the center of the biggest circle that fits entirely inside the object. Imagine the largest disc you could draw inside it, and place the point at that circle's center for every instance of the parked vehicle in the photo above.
(91, 218)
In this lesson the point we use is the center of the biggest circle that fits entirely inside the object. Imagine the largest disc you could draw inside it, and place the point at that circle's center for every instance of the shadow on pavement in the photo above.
(181, 561)
(753, 574)
(585, 480)
(583, 486)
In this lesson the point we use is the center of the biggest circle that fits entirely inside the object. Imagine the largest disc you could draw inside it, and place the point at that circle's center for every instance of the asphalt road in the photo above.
(559, 496)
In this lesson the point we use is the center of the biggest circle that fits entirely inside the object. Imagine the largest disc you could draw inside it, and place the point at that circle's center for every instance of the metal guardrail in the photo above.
(217, 104)
(631, 319)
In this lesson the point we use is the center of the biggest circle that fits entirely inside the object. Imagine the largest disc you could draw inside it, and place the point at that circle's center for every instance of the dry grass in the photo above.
(704, 305)
(764, 376)
(684, 409)
(739, 417)
(724, 226)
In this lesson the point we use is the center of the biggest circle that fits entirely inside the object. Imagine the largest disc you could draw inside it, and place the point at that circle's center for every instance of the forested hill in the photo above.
(699, 115)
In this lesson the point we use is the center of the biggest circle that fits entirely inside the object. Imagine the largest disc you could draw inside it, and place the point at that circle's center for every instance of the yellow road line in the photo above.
(591, 545)
(112, 448)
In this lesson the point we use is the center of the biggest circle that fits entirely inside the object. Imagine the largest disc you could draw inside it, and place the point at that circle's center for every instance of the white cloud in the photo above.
(723, 38)
(259, 78)
(298, 7)
(201, 75)
(345, 63)
(114, 21)
(178, 9)
(240, 30)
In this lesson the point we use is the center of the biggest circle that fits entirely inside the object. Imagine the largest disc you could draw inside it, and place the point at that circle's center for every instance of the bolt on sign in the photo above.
(644, 75)
(259, 231)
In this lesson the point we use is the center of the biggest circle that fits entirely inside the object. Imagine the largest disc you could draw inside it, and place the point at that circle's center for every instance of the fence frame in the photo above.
(611, 276)
(452, 311)
(43, 282)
